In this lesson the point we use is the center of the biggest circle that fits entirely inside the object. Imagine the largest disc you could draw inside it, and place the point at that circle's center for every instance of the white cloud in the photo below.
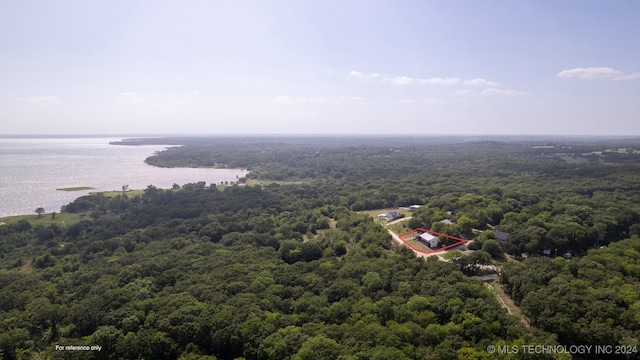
(401, 80)
(440, 81)
(361, 75)
(284, 99)
(590, 73)
(494, 91)
(48, 100)
(632, 76)
(480, 82)
(462, 92)
(597, 73)
(408, 101)
(405, 80)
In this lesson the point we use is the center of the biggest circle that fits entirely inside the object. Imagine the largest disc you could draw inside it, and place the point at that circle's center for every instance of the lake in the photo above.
(31, 169)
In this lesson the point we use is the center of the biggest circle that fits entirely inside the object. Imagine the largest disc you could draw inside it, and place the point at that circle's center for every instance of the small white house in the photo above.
(431, 241)
(394, 215)
(390, 215)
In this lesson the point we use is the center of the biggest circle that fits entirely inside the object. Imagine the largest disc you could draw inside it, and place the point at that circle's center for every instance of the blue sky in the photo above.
(320, 67)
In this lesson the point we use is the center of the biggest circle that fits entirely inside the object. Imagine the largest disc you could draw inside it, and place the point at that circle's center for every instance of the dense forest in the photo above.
(285, 264)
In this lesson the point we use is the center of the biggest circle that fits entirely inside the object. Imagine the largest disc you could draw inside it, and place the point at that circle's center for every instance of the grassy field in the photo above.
(399, 227)
(129, 193)
(47, 219)
(417, 244)
(374, 214)
(63, 218)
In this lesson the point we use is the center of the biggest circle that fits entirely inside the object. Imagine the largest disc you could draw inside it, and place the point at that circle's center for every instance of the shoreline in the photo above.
(76, 166)
(4, 220)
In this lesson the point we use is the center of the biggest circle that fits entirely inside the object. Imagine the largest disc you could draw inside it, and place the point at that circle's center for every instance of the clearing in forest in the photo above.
(507, 303)
(414, 234)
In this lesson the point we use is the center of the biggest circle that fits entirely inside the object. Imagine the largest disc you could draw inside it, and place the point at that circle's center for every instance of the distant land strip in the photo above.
(77, 188)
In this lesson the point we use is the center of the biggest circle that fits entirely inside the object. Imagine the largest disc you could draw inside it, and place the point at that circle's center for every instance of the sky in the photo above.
(543, 67)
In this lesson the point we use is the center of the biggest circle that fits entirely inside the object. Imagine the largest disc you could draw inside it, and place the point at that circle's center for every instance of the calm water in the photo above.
(32, 169)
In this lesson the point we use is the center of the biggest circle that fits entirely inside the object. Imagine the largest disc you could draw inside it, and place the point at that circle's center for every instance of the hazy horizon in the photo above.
(465, 137)
(164, 135)
(454, 68)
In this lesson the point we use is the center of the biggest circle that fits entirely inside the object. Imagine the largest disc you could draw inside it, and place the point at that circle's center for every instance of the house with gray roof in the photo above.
(501, 236)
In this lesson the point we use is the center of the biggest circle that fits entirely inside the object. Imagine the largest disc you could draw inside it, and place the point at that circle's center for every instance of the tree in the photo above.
(340, 248)
(289, 251)
(493, 248)
(23, 225)
(318, 347)
(466, 224)
(40, 211)
(386, 352)
(472, 264)
(108, 337)
(371, 282)
(282, 344)
(311, 250)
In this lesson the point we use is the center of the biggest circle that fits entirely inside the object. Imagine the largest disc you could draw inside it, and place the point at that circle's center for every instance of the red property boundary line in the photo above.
(459, 241)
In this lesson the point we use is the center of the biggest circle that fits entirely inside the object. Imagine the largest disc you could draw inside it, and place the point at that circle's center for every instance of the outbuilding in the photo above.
(430, 240)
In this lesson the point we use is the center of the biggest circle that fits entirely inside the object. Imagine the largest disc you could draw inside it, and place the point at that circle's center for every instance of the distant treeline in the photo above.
(543, 201)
